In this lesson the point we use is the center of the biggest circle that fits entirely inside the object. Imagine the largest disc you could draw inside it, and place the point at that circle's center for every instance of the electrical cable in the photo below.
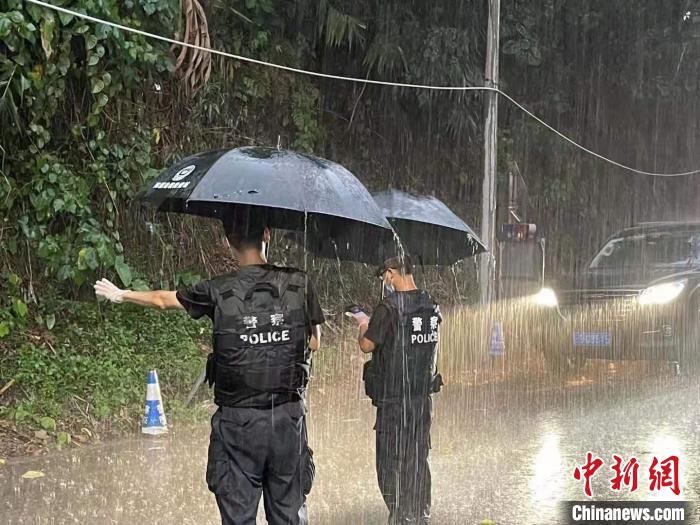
(366, 81)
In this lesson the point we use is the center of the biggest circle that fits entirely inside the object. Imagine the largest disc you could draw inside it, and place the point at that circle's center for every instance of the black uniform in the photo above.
(262, 318)
(400, 378)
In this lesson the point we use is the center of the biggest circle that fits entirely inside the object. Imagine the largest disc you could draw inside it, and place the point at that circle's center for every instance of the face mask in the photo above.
(388, 288)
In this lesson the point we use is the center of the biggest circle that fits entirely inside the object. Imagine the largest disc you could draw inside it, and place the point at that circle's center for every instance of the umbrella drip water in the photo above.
(454, 274)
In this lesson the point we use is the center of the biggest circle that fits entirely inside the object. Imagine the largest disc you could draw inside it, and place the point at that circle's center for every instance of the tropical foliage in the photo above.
(89, 113)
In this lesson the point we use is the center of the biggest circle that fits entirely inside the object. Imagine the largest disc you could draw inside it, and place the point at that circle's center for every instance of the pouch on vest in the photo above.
(210, 374)
(438, 383)
(370, 376)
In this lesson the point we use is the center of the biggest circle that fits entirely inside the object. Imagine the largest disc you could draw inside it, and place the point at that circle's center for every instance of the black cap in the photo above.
(396, 263)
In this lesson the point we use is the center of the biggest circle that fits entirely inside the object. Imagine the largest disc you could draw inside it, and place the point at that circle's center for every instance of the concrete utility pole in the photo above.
(487, 268)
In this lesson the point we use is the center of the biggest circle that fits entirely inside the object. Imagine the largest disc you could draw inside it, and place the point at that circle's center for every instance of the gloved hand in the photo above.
(106, 289)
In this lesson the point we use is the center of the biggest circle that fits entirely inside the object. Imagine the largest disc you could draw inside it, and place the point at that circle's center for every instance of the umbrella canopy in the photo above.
(426, 228)
(429, 231)
(289, 190)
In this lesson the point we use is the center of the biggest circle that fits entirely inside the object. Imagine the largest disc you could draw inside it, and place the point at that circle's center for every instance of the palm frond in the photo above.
(338, 28)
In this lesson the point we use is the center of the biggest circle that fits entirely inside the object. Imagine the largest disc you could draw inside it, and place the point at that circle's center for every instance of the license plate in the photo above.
(592, 339)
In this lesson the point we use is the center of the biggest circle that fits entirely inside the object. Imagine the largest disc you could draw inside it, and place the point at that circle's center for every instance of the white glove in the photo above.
(106, 289)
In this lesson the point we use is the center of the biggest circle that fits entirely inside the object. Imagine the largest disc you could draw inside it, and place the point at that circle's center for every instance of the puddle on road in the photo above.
(503, 452)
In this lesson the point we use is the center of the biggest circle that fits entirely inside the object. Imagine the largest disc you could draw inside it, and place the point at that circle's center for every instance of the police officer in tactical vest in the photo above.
(265, 323)
(402, 336)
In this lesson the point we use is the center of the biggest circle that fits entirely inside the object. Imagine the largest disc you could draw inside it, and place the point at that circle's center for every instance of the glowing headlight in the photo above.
(662, 293)
(546, 297)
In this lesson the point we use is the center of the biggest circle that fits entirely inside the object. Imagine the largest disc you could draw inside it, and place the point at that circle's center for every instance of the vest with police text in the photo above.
(406, 368)
(261, 334)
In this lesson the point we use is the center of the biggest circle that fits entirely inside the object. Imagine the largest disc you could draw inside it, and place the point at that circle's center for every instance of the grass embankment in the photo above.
(85, 379)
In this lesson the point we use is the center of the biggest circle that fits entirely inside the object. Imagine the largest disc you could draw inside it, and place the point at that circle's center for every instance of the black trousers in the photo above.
(403, 469)
(254, 452)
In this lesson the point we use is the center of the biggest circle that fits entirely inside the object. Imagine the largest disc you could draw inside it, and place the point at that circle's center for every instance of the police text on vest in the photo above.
(431, 337)
(266, 337)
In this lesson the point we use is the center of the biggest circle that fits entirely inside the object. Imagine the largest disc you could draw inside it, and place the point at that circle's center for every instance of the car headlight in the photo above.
(662, 293)
(546, 297)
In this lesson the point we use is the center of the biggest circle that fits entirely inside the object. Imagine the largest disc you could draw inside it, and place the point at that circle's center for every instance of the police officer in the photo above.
(265, 321)
(402, 336)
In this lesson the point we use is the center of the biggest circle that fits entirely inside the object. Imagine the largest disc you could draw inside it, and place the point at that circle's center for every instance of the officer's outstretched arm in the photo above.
(162, 299)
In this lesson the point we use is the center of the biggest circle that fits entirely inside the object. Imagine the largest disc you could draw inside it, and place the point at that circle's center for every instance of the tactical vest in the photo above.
(407, 367)
(261, 334)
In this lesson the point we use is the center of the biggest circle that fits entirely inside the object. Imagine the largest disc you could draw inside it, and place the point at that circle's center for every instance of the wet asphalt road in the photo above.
(504, 452)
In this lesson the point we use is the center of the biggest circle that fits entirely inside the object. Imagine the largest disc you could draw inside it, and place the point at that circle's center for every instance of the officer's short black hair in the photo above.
(250, 238)
(402, 263)
(245, 230)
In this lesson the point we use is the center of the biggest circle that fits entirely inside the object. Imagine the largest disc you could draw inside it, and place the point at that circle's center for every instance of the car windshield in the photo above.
(674, 249)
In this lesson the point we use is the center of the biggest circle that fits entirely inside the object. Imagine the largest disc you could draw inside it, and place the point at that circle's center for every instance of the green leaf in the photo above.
(511, 47)
(35, 12)
(47, 26)
(91, 259)
(47, 423)
(139, 285)
(63, 439)
(534, 57)
(91, 41)
(50, 321)
(4, 330)
(123, 270)
(79, 279)
(102, 31)
(24, 83)
(20, 308)
(97, 86)
(5, 26)
(16, 17)
(93, 60)
(33, 474)
(65, 18)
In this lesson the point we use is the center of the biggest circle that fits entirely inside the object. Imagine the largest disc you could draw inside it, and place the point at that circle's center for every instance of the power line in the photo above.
(252, 60)
(361, 81)
(589, 151)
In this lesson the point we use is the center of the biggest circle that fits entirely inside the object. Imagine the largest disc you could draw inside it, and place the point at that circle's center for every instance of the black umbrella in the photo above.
(429, 231)
(288, 190)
